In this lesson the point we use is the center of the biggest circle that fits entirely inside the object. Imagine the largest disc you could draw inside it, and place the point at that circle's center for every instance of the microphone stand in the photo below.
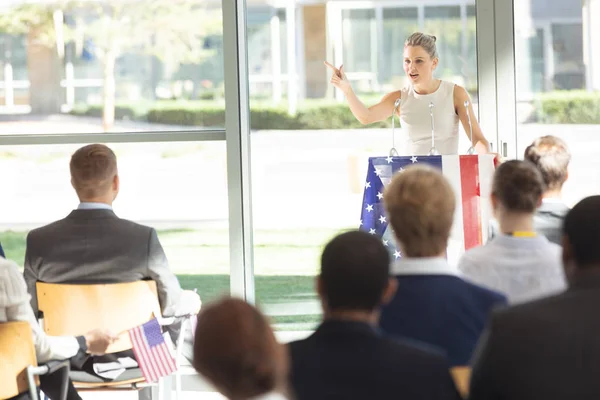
(471, 149)
(393, 151)
(433, 151)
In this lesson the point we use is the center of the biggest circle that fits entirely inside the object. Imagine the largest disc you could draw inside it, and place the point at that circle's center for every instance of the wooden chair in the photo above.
(18, 365)
(462, 377)
(74, 309)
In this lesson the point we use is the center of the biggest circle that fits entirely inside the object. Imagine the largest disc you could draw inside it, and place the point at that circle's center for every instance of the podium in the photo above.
(469, 175)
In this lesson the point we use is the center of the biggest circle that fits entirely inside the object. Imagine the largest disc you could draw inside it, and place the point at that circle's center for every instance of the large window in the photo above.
(309, 164)
(113, 65)
(555, 93)
(120, 73)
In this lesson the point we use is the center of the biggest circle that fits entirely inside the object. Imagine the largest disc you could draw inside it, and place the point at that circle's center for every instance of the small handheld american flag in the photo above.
(151, 351)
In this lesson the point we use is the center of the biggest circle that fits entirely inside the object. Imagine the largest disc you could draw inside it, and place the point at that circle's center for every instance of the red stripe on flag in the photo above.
(170, 360)
(167, 361)
(139, 349)
(158, 363)
(469, 180)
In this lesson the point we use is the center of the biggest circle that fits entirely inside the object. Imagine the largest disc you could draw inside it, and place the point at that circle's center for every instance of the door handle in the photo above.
(503, 148)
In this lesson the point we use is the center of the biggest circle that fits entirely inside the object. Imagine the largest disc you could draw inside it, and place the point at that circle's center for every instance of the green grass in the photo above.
(286, 262)
(269, 290)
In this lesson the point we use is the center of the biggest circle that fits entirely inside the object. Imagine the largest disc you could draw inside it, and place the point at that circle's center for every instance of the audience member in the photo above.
(347, 357)
(2, 251)
(518, 263)
(14, 306)
(548, 349)
(551, 157)
(433, 304)
(93, 245)
(236, 350)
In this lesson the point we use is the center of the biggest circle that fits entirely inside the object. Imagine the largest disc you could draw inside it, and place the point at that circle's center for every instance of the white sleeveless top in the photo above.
(416, 121)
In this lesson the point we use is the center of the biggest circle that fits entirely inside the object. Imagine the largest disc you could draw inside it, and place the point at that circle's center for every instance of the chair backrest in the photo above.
(462, 378)
(16, 354)
(75, 309)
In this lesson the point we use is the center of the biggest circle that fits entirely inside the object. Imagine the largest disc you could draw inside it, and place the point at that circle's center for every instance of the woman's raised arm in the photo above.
(366, 115)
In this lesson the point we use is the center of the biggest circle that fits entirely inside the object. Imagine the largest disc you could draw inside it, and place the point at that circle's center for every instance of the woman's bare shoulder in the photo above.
(392, 96)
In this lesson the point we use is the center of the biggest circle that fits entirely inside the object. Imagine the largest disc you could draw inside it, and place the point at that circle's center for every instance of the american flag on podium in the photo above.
(470, 177)
(152, 351)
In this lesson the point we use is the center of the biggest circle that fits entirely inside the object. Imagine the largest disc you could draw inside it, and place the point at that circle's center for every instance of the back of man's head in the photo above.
(93, 170)
(518, 186)
(581, 232)
(551, 156)
(420, 204)
(355, 270)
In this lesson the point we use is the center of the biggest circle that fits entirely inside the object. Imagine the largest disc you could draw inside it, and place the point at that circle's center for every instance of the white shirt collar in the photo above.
(93, 206)
(424, 266)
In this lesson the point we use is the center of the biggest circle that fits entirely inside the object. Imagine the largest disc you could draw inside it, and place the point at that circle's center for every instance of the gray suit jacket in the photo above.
(95, 246)
(548, 349)
(548, 220)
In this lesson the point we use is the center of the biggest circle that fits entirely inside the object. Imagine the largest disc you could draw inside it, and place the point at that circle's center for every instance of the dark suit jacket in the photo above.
(441, 310)
(548, 221)
(95, 246)
(2, 252)
(351, 360)
(548, 349)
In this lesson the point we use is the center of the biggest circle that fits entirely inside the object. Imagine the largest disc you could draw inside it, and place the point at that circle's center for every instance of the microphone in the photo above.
(471, 149)
(433, 151)
(393, 151)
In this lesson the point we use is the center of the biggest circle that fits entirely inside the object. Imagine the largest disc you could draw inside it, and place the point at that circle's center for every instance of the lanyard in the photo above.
(522, 234)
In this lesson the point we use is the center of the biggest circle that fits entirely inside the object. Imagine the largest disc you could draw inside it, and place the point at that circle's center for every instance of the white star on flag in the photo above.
(360, 223)
(385, 242)
(367, 185)
(377, 172)
(382, 219)
(388, 159)
(379, 195)
(369, 207)
(397, 254)
(372, 231)
(413, 159)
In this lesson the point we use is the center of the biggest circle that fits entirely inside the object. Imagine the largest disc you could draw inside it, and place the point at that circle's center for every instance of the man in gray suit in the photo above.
(93, 245)
(551, 157)
(549, 349)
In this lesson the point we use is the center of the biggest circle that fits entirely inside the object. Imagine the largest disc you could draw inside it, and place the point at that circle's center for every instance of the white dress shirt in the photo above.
(15, 306)
(523, 268)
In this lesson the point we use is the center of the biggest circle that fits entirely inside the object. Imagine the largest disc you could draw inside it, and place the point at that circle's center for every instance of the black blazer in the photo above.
(548, 349)
(352, 360)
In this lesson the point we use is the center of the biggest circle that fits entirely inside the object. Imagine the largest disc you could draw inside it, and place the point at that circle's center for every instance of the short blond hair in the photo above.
(420, 204)
(93, 168)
